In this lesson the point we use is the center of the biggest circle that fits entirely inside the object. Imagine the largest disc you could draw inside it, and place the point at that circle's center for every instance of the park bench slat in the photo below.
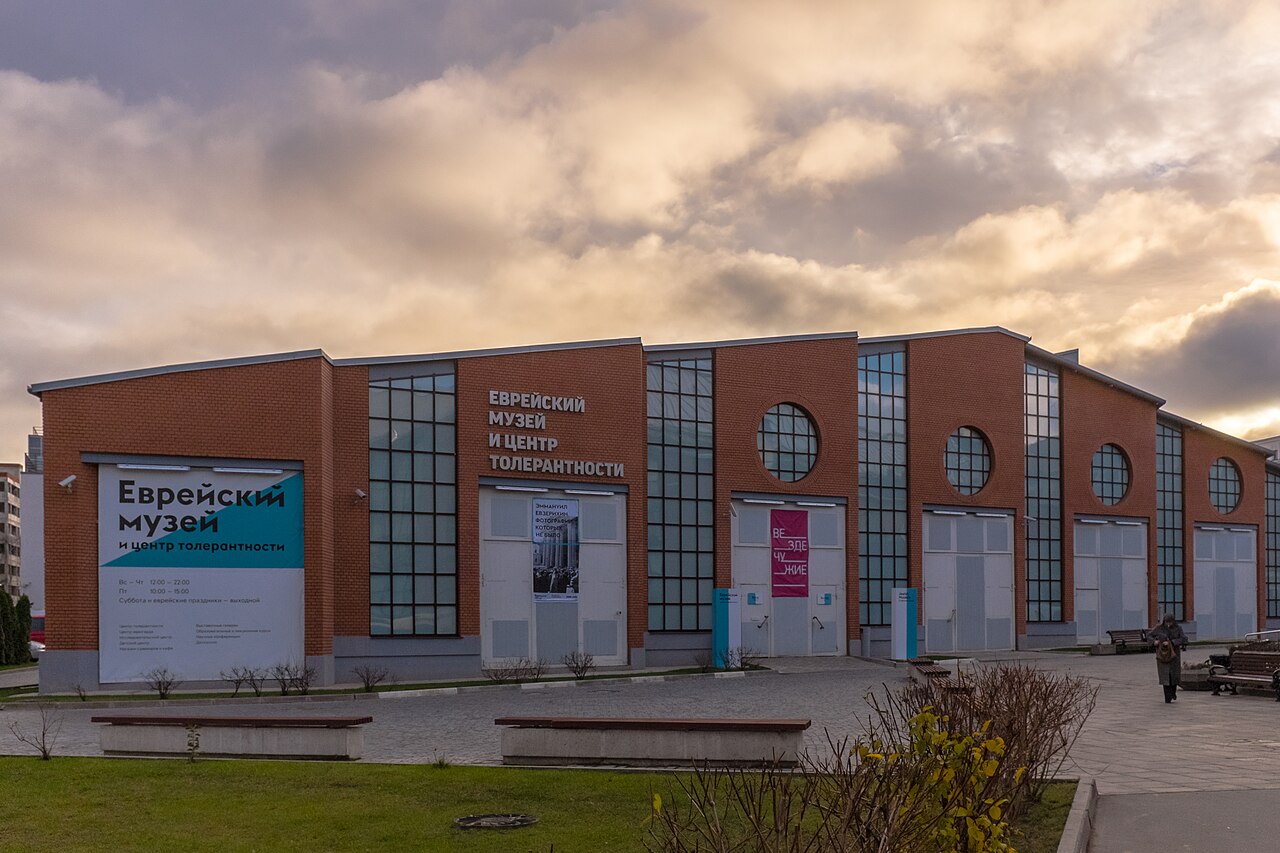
(239, 722)
(654, 724)
(1247, 668)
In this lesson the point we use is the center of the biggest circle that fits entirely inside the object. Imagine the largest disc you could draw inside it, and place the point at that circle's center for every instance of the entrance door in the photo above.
(779, 619)
(1110, 577)
(1226, 590)
(552, 575)
(968, 580)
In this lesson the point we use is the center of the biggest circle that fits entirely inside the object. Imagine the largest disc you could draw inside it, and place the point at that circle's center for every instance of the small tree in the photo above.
(8, 630)
(43, 738)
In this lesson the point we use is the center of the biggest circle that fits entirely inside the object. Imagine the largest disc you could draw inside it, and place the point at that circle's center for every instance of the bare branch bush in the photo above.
(255, 678)
(370, 676)
(43, 738)
(579, 663)
(234, 677)
(704, 660)
(1038, 714)
(304, 676)
(285, 675)
(739, 657)
(162, 680)
(911, 785)
(80, 692)
(516, 670)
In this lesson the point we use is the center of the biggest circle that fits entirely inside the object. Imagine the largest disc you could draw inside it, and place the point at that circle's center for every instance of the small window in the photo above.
(1224, 485)
(1110, 474)
(968, 460)
(788, 442)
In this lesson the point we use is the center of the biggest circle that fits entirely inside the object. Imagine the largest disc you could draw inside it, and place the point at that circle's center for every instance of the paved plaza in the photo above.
(1148, 758)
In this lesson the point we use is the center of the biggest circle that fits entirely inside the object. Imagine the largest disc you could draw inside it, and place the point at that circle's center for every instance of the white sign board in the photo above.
(199, 571)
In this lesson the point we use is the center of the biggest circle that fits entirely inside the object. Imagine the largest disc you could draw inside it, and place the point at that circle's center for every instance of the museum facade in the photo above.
(439, 514)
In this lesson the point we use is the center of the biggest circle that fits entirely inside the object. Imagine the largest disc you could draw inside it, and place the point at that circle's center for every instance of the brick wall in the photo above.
(279, 411)
(1200, 449)
(820, 376)
(966, 380)
(611, 429)
(1094, 414)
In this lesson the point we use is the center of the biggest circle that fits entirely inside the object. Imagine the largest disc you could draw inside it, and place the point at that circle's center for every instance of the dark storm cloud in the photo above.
(1229, 359)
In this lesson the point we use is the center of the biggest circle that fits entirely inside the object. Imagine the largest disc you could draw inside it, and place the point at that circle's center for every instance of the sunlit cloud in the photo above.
(374, 178)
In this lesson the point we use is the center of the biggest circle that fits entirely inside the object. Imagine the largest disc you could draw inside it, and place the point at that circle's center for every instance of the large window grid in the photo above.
(967, 460)
(1109, 474)
(1273, 544)
(1224, 485)
(788, 442)
(681, 542)
(413, 521)
(882, 482)
(1041, 406)
(1171, 593)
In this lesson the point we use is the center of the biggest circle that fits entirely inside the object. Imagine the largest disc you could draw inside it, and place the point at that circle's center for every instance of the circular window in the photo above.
(968, 460)
(1224, 485)
(1110, 474)
(788, 442)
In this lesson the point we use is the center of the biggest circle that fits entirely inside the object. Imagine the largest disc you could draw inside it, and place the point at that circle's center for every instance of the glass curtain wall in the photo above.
(413, 516)
(1042, 407)
(1273, 544)
(882, 482)
(681, 543)
(1171, 593)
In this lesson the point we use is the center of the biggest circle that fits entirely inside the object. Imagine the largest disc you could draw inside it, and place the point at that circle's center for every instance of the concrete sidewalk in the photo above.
(1203, 772)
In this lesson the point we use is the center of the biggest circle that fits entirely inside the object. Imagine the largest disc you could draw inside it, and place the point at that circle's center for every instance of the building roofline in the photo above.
(38, 388)
(1077, 367)
(482, 353)
(945, 333)
(744, 342)
(1225, 436)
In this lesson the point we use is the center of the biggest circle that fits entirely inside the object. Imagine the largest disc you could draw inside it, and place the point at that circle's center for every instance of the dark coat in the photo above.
(1169, 673)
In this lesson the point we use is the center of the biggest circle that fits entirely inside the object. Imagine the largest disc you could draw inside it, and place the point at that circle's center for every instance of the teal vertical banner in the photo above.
(904, 614)
(726, 624)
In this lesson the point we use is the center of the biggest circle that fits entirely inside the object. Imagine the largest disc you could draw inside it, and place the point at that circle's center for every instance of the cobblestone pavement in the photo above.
(1134, 743)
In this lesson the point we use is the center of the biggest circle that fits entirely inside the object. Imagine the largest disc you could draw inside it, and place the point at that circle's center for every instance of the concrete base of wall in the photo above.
(346, 744)
(676, 649)
(408, 659)
(71, 671)
(1048, 635)
(648, 748)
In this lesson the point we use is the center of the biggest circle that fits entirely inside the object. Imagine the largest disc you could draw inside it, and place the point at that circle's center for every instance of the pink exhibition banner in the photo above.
(789, 530)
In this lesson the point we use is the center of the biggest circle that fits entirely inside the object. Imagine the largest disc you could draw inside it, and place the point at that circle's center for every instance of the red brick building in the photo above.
(435, 514)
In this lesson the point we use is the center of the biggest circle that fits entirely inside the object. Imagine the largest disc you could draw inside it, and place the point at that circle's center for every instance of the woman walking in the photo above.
(1169, 640)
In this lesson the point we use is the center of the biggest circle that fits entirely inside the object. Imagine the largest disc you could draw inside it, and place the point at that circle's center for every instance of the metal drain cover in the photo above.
(495, 821)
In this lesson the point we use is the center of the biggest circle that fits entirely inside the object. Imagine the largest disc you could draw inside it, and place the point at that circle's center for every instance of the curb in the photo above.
(1079, 827)
(101, 704)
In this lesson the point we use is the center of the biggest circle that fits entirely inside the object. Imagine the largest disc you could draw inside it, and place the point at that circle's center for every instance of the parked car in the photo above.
(37, 649)
(37, 625)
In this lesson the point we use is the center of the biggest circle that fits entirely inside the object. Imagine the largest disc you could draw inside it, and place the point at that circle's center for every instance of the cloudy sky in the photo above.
(183, 181)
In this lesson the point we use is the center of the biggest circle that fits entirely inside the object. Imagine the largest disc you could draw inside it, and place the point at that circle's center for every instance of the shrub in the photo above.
(922, 787)
(161, 680)
(370, 676)
(1038, 715)
(579, 663)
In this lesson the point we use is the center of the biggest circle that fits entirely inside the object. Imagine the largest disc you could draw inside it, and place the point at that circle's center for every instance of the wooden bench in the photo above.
(939, 677)
(1248, 669)
(1130, 640)
(651, 741)
(318, 738)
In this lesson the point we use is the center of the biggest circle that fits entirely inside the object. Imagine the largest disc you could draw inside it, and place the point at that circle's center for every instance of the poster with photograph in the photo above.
(555, 550)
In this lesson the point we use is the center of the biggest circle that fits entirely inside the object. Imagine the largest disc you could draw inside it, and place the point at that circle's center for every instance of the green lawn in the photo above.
(94, 804)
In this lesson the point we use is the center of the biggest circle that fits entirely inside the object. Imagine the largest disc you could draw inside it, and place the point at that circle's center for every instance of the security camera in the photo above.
(361, 494)
(67, 481)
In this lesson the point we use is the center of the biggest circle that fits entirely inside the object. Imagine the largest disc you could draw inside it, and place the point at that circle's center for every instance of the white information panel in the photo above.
(199, 571)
